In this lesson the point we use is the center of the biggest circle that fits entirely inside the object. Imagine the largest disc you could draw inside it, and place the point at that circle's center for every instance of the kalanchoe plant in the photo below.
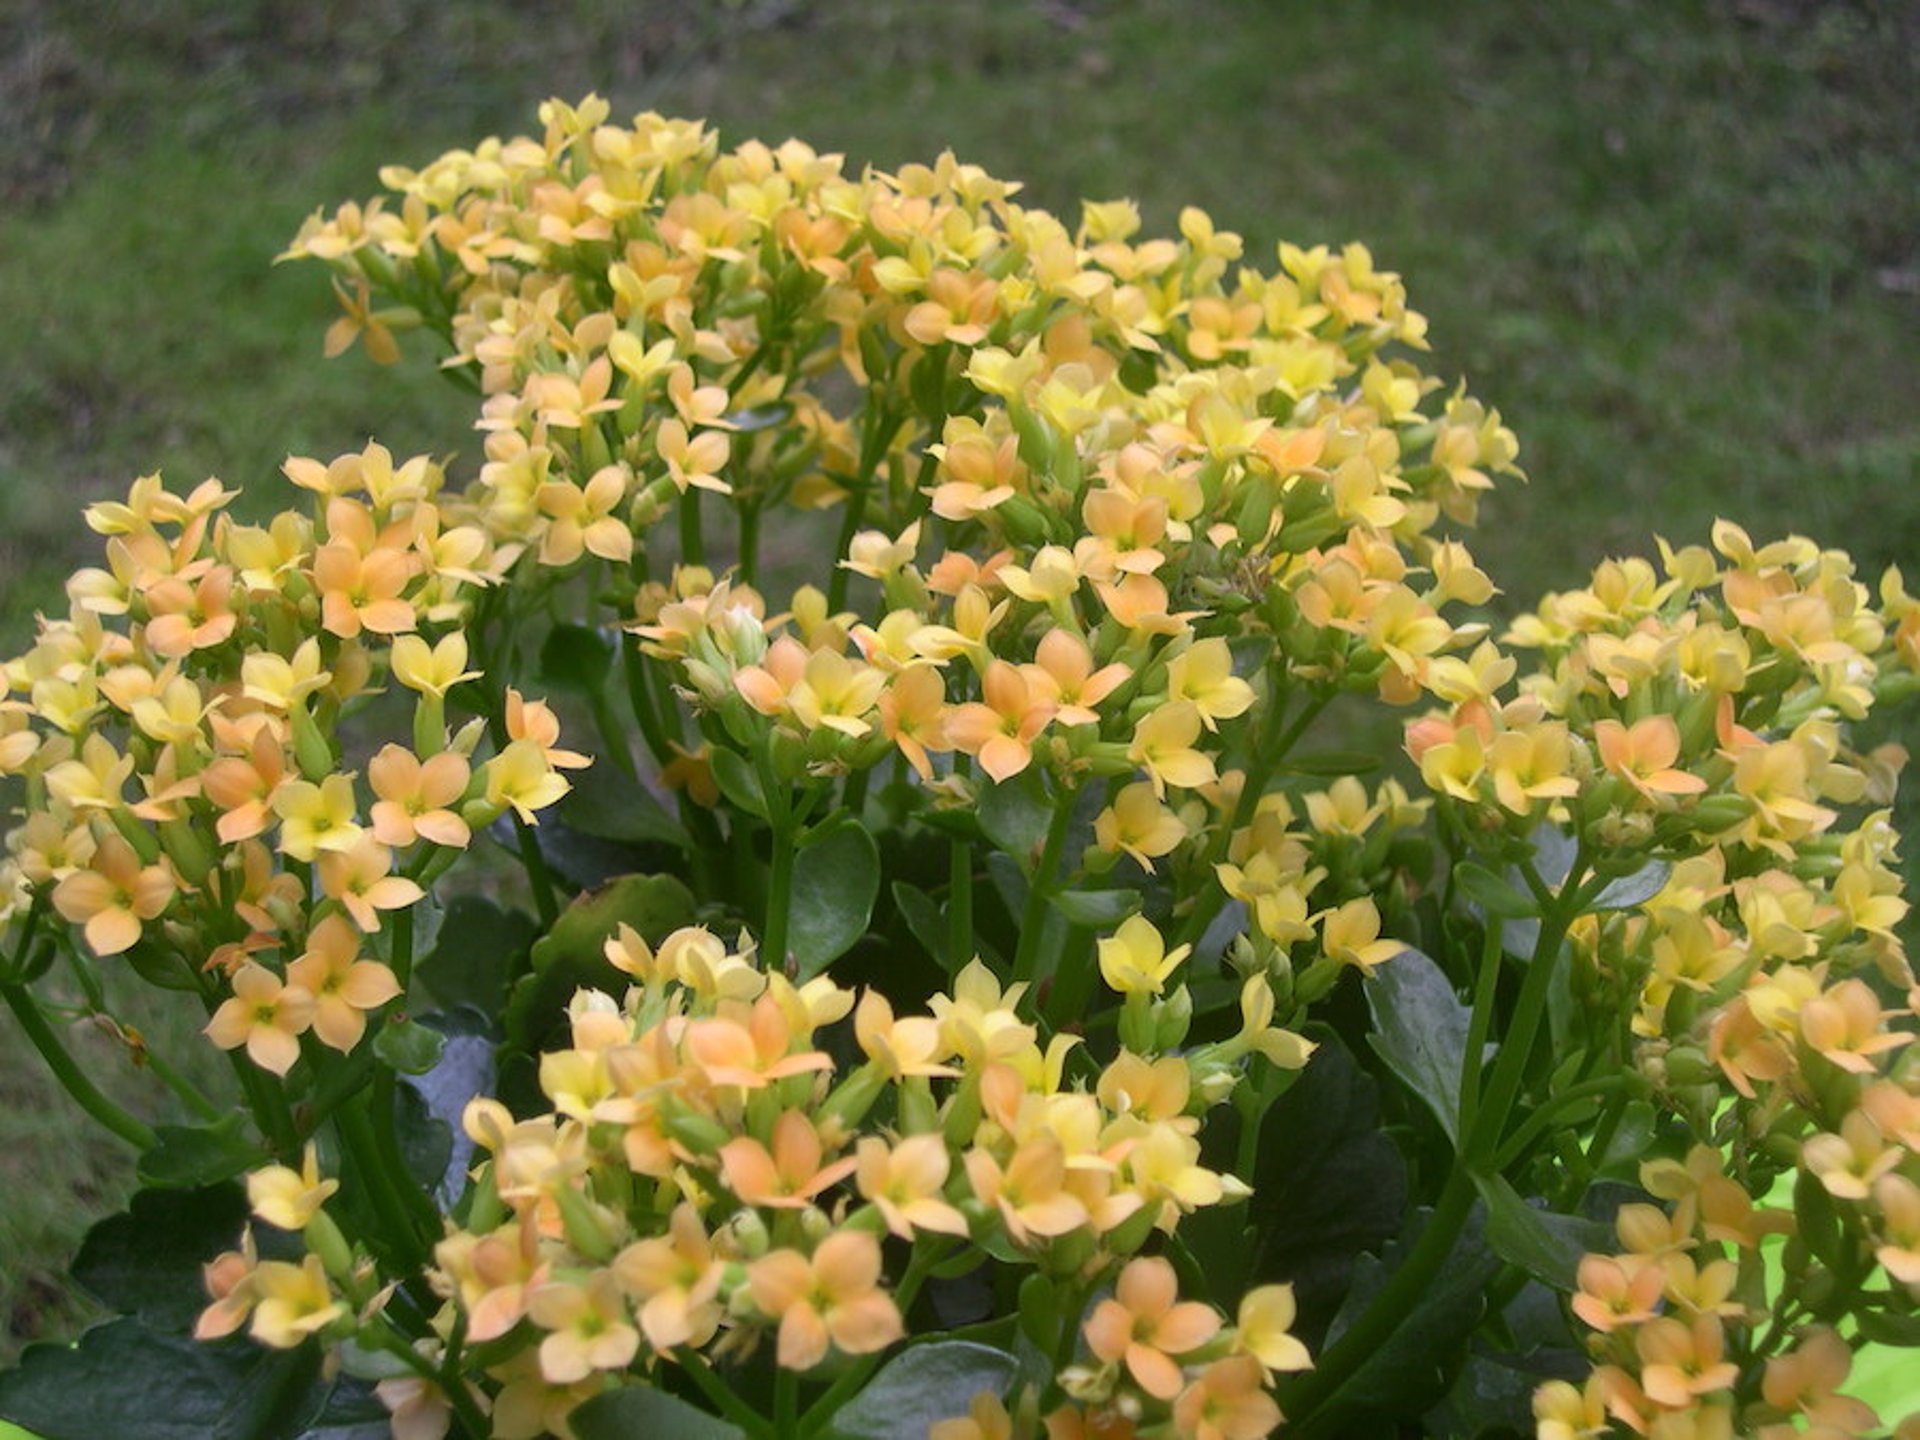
(957, 988)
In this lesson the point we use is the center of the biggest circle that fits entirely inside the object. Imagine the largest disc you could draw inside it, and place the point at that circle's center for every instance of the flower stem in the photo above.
(1040, 886)
(73, 1080)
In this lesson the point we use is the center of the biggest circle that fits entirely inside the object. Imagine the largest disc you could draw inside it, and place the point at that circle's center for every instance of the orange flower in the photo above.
(1644, 756)
(1030, 1192)
(1001, 730)
(416, 797)
(343, 987)
(264, 1014)
(362, 879)
(114, 895)
(1064, 676)
(790, 1175)
(244, 788)
(1611, 1294)
(362, 592)
(753, 1054)
(1227, 1403)
(832, 1298)
(1144, 1326)
(905, 1183)
(675, 1278)
(1681, 1362)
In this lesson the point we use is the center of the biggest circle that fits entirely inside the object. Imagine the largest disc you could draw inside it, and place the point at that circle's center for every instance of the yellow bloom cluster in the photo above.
(1108, 522)
(177, 738)
(1698, 711)
(708, 1180)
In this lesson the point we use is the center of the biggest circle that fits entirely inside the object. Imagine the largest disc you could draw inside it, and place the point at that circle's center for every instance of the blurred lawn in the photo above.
(1678, 244)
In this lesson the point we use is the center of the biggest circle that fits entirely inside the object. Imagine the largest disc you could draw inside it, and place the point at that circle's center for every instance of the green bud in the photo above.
(310, 748)
(1172, 1018)
(323, 1238)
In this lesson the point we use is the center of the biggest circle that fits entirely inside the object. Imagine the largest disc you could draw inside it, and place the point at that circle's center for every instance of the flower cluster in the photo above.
(1116, 529)
(708, 1182)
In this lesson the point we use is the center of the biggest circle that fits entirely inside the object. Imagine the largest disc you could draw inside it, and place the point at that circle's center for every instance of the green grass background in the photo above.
(1677, 244)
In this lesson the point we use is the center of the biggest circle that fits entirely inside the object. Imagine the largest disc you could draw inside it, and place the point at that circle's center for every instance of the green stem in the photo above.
(1305, 1401)
(720, 1395)
(73, 1080)
(362, 1142)
(190, 1094)
(1516, 1049)
(1530, 1130)
(1485, 994)
(538, 876)
(640, 698)
(1033, 917)
(749, 543)
(400, 946)
(693, 543)
(786, 1400)
(773, 936)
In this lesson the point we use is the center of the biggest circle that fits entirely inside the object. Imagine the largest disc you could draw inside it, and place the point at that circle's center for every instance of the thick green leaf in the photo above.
(193, 1156)
(408, 1046)
(146, 1261)
(926, 920)
(1329, 1185)
(836, 878)
(739, 782)
(1097, 909)
(652, 904)
(125, 1380)
(572, 954)
(635, 1411)
(1420, 1030)
(1414, 1367)
(478, 948)
(1547, 1246)
(612, 805)
(922, 1385)
(577, 658)
(1631, 890)
(1015, 815)
(426, 1141)
(1496, 896)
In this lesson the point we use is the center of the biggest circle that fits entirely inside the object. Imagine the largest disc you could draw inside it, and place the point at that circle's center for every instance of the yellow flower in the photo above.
(432, 671)
(316, 817)
(1351, 934)
(521, 776)
(675, 1278)
(1264, 1329)
(587, 1327)
(1204, 675)
(1135, 959)
(290, 1198)
(293, 1302)
(1138, 825)
(1163, 747)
